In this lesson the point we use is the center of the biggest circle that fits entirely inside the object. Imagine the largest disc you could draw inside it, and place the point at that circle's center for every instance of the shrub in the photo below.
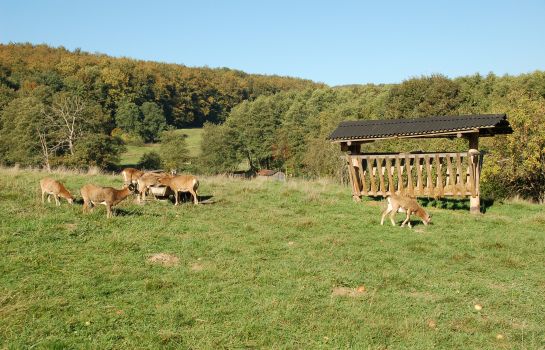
(173, 151)
(150, 161)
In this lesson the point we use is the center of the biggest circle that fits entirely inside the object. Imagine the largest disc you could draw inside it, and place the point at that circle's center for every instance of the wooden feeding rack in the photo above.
(436, 174)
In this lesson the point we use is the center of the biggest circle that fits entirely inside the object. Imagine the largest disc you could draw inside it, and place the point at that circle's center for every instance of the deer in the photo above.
(56, 189)
(131, 175)
(181, 183)
(146, 181)
(402, 204)
(109, 196)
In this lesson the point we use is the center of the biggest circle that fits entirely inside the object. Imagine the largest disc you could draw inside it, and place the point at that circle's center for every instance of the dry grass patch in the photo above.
(164, 259)
(196, 267)
(348, 292)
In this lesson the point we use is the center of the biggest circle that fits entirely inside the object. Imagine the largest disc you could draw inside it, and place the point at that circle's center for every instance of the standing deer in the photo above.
(109, 196)
(404, 204)
(55, 189)
(182, 183)
(131, 175)
(145, 181)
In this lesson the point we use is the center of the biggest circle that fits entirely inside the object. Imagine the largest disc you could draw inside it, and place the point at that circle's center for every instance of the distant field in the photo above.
(267, 265)
(134, 153)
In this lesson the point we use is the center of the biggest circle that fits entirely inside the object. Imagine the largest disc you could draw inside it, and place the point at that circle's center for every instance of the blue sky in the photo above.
(335, 42)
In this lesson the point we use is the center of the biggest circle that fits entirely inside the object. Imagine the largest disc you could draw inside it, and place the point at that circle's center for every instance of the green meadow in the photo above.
(134, 153)
(265, 265)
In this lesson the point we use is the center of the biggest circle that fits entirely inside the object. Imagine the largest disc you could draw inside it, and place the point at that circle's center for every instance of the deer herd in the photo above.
(139, 182)
(134, 182)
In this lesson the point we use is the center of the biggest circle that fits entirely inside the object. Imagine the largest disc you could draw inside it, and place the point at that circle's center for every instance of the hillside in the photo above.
(107, 100)
(267, 265)
(189, 96)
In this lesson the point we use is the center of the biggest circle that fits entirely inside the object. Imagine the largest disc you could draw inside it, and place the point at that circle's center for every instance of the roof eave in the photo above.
(446, 134)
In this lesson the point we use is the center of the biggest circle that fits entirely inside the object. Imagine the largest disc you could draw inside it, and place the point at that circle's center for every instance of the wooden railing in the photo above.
(416, 174)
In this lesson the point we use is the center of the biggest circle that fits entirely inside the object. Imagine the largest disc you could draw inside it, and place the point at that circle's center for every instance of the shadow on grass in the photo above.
(126, 212)
(443, 203)
(454, 203)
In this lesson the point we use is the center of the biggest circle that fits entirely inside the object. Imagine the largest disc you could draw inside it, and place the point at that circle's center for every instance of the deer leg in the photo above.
(176, 197)
(384, 213)
(85, 206)
(108, 211)
(57, 201)
(194, 194)
(393, 213)
(49, 198)
(407, 219)
(43, 197)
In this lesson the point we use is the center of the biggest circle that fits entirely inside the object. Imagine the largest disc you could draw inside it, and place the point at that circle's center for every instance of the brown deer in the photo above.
(145, 181)
(403, 204)
(181, 183)
(56, 189)
(109, 196)
(131, 175)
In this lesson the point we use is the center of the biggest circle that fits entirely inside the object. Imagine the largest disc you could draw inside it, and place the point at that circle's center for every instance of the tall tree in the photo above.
(153, 122)
(128, 117)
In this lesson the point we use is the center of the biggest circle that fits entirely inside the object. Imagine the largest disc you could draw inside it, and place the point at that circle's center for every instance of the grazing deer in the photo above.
(131, 175)
(146, 181)
(109, 196)
(181, 183)
(403, 204)
(55, 188)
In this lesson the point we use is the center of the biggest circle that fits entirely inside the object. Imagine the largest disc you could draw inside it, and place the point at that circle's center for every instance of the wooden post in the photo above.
(475, 201)
(356, 194)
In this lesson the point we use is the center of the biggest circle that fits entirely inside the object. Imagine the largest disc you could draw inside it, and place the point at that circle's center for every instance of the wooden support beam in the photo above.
(356, 193)
(475, 200)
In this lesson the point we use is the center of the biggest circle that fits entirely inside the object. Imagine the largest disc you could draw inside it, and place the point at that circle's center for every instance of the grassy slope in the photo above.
(134, 153)
(257, 269)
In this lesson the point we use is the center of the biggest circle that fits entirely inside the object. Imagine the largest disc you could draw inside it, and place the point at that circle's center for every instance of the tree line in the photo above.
(289, 130)
(75, 108)
(61, 107)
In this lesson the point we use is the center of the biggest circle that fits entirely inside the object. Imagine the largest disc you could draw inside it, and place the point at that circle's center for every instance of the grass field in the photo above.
(264, 267)
(134, 153)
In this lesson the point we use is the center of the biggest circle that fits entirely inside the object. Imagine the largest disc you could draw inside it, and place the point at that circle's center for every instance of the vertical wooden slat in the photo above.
(439, 186)
(418, 163)
(370, 168)
(361, 166)
(381, 176)
(390, 171)
(429, 182)
(460, 185)
(471, 169)
(400, 188)
(450, 182)
(408, 168)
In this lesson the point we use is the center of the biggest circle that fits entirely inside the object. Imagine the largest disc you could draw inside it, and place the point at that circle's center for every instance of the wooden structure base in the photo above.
(416, 174)
(432, 175)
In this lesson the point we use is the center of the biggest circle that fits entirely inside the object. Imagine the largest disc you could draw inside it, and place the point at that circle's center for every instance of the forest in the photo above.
(72, 108)
(76, 109)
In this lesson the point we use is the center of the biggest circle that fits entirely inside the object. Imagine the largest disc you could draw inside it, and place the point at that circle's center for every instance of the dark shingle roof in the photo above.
(487, 124)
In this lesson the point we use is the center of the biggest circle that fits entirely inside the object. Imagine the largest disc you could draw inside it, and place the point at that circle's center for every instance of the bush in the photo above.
(173, 151)
(97, 150)
(150, 161)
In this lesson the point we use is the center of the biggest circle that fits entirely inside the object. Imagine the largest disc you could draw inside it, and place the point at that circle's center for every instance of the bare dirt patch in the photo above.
(70, 227)
(196, 267)
(347, 292)
(164, 259)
